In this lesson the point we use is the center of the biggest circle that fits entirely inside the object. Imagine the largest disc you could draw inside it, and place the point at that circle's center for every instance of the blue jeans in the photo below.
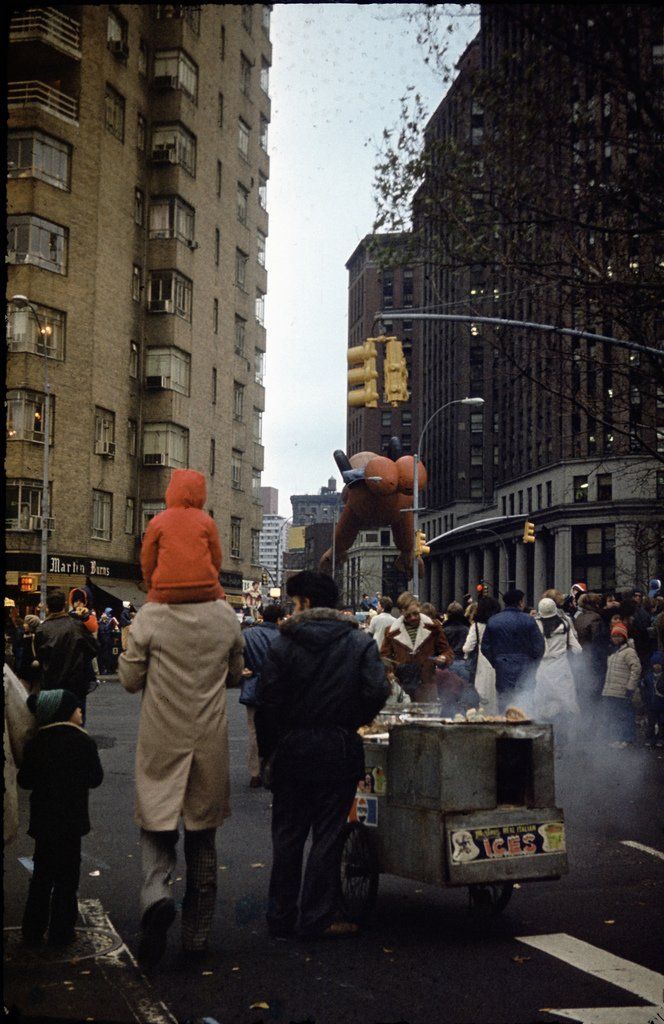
(620, 719)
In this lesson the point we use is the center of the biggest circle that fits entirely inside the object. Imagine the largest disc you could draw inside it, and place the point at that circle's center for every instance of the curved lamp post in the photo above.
(22, 302)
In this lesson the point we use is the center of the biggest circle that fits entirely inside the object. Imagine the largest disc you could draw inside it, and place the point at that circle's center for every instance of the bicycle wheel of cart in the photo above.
(491, 898)
(359, 873)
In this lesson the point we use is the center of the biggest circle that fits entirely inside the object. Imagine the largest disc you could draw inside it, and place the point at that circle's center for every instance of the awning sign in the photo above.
(496, 843)
(365, 811)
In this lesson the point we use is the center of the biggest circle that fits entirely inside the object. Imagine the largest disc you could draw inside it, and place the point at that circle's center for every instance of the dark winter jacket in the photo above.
(321, 680)
(25, 667)
(589, 626)
(60, 765)
(513, 645)
(65, 649)
(257, 643)
(456, 629)
(651, 698)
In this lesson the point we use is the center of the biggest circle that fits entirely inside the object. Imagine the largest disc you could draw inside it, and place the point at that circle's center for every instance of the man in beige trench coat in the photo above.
(181, 657)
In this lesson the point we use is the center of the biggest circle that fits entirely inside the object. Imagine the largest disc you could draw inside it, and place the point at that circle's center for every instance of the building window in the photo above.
(238, 400)
(388, 289)
(265, 19)
(115, 113)
(604, 487)
(219, 178)
(539, 496)
(171, 217)
(104, 432)
(242, 203)
(213, 396)
(520, 496)
(256, 485)
(25, 416)
(240, 333)
(255, 547)
(236, 536)
(476, 488)
(213, 456)
(245, 75)
(260, 307)
(549, 494)
(261, 241)
(263, 133)
(257, 426)
(116, 28)
(33, 154)
(24, 333)
(130, 515)
(142, 57)
(407, 297)
(241, 260)
(174, 69)
(580, 488)
(259, 366)
(215, 316)
(165, 444)
(220, 110)
(660, 485)
(594, 556)
(386, 419)
(236, 469)
(37, 241)
(406, 418)
(243, 131)
(247, 17)
(132, 437)
(168, 368)
(504, 504)
(23, 500)
(170, 292)
(476, 422)
(139, 207)
(136, 283)
(133, 359)
(189, 13)
(173, 144)
(141, 133)
(149, 510)
(265, 76)
(217, 246)
(102, 514)
(262, 190)
(222, 43)
(511, 502)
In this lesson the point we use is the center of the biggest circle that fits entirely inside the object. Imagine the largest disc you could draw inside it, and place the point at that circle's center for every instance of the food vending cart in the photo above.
(454, 804)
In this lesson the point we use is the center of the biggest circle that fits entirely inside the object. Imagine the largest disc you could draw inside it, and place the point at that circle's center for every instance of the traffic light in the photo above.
(265, 579)
(529, 532)
(482, 589)
(395, 384)
(362, 360)
(421, 546)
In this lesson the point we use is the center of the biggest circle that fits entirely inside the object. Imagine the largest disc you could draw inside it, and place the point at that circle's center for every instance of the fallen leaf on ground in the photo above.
(385, 950)
(520, 959)
(609, 922)
(516, 885)
(258, 865)
(93, 874)
(179, 878)
(206, 974)
(259, 1006)
(85, 972)
(235, 968)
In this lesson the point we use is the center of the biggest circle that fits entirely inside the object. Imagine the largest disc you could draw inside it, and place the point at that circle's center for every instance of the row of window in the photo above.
(23, 508)
(522, 501)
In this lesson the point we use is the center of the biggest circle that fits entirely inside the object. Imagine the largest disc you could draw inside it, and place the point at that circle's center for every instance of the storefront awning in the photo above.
(111, 595)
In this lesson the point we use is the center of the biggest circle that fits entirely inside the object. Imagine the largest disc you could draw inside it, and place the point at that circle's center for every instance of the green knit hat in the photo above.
(53, 706)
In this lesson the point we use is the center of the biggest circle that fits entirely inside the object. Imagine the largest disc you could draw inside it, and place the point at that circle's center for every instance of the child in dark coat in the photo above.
(60, 765)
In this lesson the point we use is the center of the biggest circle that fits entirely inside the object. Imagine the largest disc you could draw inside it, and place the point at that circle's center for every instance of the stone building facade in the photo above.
(138, 168)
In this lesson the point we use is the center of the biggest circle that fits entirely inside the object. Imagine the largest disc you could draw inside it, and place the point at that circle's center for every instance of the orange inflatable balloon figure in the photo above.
(377, 489)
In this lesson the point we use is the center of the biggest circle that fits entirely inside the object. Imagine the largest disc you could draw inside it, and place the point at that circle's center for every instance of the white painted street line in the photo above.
(611, 1015)
(644, 849)
(27, 863)
(640, 981)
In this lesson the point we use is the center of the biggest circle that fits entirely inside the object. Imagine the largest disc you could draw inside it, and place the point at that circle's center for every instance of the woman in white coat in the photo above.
(554, 697)
(485, 674)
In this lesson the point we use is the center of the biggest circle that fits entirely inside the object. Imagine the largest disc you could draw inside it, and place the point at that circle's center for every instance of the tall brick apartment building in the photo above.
(138, 169)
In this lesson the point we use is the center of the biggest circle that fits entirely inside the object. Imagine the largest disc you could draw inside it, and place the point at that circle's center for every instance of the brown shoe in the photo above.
(255, 782)
(340, 930)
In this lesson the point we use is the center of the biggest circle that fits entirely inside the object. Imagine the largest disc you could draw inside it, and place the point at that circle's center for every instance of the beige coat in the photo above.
(623, 671)
(180, 656)
(20, 725)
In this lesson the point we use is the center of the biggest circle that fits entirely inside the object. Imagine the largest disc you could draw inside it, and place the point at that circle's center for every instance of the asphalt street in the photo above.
(423, 956)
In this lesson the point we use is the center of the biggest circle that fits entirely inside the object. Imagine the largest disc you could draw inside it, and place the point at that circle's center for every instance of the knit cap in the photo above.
(53, 706)
(547, 608)
(32, 621)
(619, 629)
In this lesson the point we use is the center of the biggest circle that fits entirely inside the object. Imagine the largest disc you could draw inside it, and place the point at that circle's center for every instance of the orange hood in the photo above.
(186, 490)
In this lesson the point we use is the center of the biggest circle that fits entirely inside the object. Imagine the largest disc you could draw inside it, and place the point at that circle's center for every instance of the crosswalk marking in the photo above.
(644, 849)
(611, 1015)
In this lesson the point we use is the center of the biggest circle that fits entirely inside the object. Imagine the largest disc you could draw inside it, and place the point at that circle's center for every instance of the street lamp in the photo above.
(416, 482)
(22, 302)
(280, 534)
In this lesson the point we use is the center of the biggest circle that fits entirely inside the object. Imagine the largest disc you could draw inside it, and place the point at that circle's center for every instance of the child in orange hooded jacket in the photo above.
(181, 552)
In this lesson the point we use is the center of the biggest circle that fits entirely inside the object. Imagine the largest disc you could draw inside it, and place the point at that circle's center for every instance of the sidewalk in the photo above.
(95, 979)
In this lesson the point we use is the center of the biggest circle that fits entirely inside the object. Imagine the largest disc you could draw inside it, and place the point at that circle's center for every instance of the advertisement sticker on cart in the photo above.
(364, 811)
(500, 841)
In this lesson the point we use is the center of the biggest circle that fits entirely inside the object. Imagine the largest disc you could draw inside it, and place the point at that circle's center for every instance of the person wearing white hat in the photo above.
(554, 697)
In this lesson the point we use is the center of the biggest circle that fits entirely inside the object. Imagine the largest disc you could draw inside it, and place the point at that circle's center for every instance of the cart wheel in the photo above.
(490, 898)
(359, 874)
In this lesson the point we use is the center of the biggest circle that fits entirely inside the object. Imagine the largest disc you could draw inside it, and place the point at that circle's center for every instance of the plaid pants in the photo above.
(159, 858)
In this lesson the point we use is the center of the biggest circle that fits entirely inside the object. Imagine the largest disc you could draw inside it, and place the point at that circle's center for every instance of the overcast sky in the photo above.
(338, 73)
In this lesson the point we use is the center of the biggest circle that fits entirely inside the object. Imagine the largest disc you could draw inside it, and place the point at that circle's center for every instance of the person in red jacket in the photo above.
(181, 552)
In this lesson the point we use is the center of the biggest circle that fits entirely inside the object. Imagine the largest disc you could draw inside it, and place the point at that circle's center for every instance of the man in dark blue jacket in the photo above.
(513, 644)
(257, 642)
(322, 680)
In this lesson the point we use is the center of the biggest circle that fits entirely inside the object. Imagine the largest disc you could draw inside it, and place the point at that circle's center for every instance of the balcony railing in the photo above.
(39, 94)
(49, 25)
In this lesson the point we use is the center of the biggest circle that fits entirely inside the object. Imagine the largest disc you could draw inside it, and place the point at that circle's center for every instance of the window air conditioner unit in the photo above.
(35, 523)
(12, 257)
(106, 448)
(161, 306)
(154, 459)
(118, 48)
(165, 82)
(164, 155)
(156, 383)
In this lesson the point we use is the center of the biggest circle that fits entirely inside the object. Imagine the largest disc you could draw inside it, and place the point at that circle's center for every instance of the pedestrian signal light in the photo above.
(362, 360)
(482, 589)
(395, 369)
(421, 546)
(529, 533)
